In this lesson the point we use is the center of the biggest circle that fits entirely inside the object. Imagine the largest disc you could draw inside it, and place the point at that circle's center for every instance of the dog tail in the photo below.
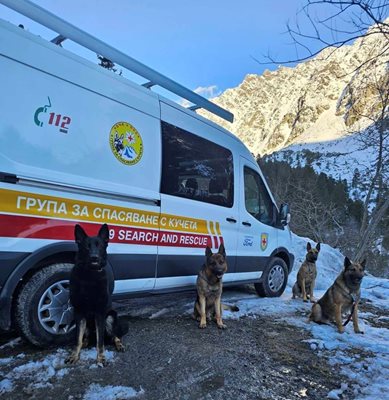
(296, 290)
(316, 314)
(115, 325)
(230, 307)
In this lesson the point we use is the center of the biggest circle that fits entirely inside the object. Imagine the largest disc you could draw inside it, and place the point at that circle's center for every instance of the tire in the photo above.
(274, 279)
(43, 315)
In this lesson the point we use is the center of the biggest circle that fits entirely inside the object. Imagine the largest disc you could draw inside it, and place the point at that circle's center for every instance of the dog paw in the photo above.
(202, 326)
(72, 359)
(359, 332)
(312, 300)
(305, 300)
(120, 347)
(222, 326)
(101, 361)
(341, 330)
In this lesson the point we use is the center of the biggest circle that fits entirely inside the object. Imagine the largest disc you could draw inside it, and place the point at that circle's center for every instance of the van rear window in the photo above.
(196, 168)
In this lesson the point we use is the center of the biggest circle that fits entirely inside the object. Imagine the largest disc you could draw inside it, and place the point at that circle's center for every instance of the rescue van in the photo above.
(81, 144)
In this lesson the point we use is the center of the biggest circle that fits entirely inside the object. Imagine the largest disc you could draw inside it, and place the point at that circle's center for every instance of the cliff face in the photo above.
(323, 99)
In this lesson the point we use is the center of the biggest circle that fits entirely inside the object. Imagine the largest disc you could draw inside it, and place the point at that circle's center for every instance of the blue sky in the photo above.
(203, 43)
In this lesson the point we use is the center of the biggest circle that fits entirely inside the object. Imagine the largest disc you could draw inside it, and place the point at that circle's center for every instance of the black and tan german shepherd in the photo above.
(307, 274)
(342, 297)
(90, 289)
(210, 287)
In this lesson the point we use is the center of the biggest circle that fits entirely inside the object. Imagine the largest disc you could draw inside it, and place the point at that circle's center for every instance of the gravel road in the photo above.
(168, 357)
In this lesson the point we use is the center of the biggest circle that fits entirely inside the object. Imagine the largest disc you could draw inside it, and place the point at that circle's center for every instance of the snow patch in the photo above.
(5, 361)
(334, 394)
(11, 343)
(159, 313)
(43, 373)
(6, 386)
(97, 392)
(91, 354)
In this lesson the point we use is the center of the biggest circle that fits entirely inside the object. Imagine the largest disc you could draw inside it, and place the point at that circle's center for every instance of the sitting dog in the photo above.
(343, 296)
(307, 275)
(90, 290)
(210, 287)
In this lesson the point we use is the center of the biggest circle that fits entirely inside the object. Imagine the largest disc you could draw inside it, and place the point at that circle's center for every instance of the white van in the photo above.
(80, 144)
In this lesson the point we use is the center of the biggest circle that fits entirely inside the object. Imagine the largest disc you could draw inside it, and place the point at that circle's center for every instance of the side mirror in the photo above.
(284, 214)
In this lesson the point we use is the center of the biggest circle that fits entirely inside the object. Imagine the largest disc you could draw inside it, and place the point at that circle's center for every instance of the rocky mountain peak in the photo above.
(321, 99)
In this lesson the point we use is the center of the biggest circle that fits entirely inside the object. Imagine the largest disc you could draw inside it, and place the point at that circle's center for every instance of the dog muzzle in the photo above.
(219, 275)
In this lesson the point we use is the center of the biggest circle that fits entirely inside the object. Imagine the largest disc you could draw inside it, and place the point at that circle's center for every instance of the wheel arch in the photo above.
(56, 252)
(283, 253)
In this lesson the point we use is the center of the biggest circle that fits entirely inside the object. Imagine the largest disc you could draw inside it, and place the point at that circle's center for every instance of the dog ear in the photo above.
(208, 252)
(318, 247)
(309, 247)
(347, 262)
(363, 264)
(104, 233)
(222, 250)
(79, 234)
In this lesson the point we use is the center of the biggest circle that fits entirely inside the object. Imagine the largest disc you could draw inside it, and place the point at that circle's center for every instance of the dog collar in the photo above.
(355, 298)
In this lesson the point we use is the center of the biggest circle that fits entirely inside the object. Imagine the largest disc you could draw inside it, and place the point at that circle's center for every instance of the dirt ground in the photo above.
(168, 357)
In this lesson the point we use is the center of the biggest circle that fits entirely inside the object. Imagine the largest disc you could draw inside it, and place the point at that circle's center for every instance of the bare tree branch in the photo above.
(359, 15)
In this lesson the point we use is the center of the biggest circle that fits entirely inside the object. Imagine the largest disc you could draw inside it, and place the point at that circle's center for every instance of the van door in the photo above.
(83, 140)
(257, 216)
(198, 199)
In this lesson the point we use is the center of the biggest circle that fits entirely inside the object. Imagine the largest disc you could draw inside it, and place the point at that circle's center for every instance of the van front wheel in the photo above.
(43, 312)
(274, 279)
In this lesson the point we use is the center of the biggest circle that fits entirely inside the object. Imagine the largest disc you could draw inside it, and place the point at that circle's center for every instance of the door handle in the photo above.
(231, 220)
(246, 223)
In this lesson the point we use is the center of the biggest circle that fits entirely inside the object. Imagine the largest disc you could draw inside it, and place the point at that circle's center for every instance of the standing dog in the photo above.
(307, 274)
(343, 296)
(210, 287)
(91, 287)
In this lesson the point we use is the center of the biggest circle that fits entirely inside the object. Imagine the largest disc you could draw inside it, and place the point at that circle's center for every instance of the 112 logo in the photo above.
(54, 119)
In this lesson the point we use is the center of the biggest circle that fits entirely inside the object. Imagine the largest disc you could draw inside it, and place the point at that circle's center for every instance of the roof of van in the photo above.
(67, 30)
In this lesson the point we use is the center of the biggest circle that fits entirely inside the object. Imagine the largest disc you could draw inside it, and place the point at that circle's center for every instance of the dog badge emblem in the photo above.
(264, 241)
(126, 143)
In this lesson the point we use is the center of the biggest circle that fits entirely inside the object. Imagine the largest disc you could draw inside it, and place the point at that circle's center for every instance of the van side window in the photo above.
(257, 200)
(196, 168)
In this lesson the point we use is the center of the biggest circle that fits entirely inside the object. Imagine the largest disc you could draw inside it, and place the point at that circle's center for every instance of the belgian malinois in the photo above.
(210, 287)
(342, 297)
(90, 290)
(307, 275)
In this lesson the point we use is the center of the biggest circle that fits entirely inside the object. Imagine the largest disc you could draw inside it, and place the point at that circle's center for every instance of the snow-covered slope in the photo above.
(341, 159)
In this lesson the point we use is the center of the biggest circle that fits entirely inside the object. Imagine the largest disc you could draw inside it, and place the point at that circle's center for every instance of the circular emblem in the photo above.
(126, 143)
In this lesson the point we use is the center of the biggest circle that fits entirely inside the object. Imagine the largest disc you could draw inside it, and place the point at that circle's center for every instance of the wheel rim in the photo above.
(276, 278)
(55, 313)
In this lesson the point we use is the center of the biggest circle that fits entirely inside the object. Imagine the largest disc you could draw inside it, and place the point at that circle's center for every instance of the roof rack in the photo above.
(69, 31)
